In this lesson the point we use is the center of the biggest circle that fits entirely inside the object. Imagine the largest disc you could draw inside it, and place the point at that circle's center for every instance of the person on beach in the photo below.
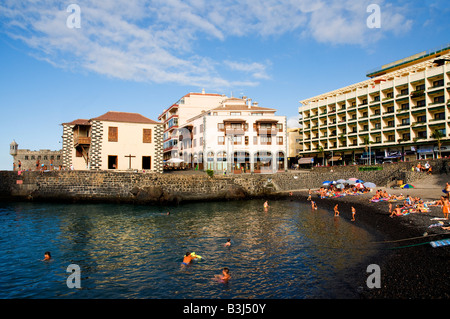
(225, 275)
(336, 211)
(445, 208)
(266, 206)
(396, 212)
(447, 190)
(390, 208)
(47, 256)
(353, 214)
(309, 194)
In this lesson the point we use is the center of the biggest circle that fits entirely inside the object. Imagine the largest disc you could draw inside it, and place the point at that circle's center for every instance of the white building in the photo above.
(401, 113)
(113, 141)
(178, 113)
(237, 137)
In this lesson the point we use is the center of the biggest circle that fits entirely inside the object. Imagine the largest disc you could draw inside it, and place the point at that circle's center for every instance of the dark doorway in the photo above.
(112, 162)
(146, 162)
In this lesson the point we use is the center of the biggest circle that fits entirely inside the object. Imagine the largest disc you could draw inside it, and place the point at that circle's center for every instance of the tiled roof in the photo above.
(79, 122)
(125, 117)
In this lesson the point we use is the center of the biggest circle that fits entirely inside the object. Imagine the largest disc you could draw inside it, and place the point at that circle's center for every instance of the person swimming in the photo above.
(47, 255)
(187, 259)
(225, 275)
(228, 243)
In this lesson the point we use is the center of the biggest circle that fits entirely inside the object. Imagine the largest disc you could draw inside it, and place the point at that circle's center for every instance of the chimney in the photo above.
(203, 91)
(249, 103)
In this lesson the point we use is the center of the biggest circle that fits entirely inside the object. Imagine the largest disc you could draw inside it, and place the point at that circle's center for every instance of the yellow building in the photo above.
(400, 113)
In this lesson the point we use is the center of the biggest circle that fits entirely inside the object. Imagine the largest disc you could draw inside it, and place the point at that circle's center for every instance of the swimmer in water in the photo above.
(266, 206)
(187, 259)
(225, 275)
(228, 243)
(313, 205)
(47, 256)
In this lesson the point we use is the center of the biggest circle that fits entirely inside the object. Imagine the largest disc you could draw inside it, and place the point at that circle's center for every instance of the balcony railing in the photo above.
(81, 141)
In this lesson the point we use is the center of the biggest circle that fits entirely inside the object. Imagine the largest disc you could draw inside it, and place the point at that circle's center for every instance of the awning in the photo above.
(335, 158)
(306, 160)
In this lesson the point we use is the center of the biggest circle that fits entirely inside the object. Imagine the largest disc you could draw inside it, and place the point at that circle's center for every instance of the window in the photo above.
(438, 99)
(438, 83)
(405, 106)
(420, 103)
(279, 140)
(280, 127)
(146, 162)
(422, 119)
(220, 126)
(221, 140)
(405, 121)
(391, 138)
(147, 136)
(201, 140)
(235, 113)
(439, 116)
(237, 140)
(420, 87)
(113, 134)
(201, 128)
(406, 136)
(255, 140)
(246, 140)
(266, 140)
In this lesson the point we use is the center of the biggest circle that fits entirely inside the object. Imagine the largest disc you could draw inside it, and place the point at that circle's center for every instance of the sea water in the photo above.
(134, 251)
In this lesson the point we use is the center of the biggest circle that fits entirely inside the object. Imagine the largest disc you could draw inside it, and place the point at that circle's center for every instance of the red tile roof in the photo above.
(78, 122)
(125, 117)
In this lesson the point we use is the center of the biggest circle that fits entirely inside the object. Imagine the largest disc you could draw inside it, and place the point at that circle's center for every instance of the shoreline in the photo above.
(410, 267)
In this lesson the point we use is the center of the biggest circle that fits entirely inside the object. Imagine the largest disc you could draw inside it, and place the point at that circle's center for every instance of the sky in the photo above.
(64, 60)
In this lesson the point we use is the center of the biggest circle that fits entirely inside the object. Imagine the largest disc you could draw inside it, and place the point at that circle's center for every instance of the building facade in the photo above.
(400, 113)
(113, 141)
(35, 160)
(236, 137)
(178, 113)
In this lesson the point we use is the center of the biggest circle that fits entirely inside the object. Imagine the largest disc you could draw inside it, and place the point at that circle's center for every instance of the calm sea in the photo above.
(127, 251)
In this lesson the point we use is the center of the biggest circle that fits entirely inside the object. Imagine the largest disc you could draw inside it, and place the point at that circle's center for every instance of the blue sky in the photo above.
(142, 56)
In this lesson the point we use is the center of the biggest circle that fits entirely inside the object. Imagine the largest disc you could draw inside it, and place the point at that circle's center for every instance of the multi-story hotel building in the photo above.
(400, 113)
(237, 137)
(178, 113)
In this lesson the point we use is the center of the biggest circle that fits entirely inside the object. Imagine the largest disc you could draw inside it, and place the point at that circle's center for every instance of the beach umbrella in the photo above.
(407, 186)
(326, 182)
(341, 181)
(353, 179)
(351, 182)
(340, 186)
(370, 185)
(359, 181)
(359, 185)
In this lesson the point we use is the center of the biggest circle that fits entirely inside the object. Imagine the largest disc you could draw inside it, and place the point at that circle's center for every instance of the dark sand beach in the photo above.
(410, 267)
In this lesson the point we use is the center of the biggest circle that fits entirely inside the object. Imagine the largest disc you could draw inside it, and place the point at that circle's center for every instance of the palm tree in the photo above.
(322, 151)
(437, 135)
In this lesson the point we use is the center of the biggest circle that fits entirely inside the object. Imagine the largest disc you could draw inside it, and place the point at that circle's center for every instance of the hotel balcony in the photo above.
(234, 131)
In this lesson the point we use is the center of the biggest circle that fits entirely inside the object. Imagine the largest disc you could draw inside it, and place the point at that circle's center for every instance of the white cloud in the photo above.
(160, 40)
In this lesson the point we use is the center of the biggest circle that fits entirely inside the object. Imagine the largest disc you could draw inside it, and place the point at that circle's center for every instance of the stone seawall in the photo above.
(159, 188)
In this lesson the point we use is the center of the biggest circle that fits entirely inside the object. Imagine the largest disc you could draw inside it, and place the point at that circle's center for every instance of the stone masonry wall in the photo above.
(157, 188)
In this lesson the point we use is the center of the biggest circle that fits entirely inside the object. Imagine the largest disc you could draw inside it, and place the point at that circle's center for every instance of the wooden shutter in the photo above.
(113, 134)
(147, 136)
